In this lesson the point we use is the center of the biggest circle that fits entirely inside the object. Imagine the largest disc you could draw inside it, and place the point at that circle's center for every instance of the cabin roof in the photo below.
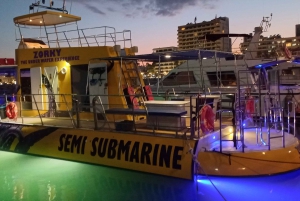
(174, 56)
(46, 18)
(214, 37)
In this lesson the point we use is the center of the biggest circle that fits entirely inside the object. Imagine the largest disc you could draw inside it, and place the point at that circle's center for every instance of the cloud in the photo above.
(94, 9)
(145, 7)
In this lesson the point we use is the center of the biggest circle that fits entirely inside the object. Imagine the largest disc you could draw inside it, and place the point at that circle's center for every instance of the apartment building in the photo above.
(271, 45)
(189, 35)
(164, 67)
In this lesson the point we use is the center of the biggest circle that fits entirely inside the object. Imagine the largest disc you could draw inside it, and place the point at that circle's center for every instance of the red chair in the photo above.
(148, 92)
(130, 97)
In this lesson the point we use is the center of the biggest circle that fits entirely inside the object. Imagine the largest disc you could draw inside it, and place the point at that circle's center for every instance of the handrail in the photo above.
(220, 132)
(294, 115)
(38, 110)
(72, 120)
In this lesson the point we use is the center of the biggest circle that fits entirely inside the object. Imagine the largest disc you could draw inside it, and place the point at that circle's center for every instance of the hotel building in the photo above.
(188, 36)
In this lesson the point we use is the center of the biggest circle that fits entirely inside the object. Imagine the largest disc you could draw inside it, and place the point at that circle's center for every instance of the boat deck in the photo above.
(253, 140)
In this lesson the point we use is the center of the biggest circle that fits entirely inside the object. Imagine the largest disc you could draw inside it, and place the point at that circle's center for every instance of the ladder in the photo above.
(248, 107)
(274, 118)
(132, 78)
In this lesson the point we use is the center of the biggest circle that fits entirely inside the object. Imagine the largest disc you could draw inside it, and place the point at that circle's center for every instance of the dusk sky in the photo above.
(154, 23)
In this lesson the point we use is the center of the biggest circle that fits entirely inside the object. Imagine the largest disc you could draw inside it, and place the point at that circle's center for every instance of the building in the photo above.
(155, 69)
(271, 46)
(188, 36)
(297, 30)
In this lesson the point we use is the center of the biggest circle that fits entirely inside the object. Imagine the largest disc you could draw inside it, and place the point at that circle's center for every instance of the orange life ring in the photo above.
(12, 110)
(249, 107)
(207, 118)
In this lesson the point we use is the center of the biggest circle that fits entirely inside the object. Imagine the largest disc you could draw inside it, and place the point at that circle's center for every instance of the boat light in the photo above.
(40, 22)
(60, 16)
(216, 169)
(204, 181)
(63, 70)
(263, 153)
(168, 56)
(204, 58)
(290, 151)
(214, 137)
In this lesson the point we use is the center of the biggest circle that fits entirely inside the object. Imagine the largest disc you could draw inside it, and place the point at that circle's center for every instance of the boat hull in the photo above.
(255, 163)
(152, 154)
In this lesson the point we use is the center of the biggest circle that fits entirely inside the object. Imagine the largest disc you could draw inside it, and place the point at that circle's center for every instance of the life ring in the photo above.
(249, 107)
(287, 52)
(207, 118)
(12, 110)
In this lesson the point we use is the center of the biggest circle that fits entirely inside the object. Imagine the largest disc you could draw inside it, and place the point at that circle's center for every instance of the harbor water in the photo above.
(32, 178)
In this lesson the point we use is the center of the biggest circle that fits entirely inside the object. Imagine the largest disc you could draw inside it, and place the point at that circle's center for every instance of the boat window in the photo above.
(227, 78)
(179, 78)
(25, 83)
(286, 72)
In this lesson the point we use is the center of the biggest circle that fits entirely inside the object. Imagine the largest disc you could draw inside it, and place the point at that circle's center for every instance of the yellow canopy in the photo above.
(46, 18)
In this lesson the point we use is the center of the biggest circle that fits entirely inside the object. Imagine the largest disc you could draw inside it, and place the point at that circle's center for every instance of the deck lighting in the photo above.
(63, 70)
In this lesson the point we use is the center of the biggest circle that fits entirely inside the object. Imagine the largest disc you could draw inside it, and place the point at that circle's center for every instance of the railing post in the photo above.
(77, 113)
(95, 112)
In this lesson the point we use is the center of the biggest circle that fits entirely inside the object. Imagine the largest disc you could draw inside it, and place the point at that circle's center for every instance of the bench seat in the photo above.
(151, 112)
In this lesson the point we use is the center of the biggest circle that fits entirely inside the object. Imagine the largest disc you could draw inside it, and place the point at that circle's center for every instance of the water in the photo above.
(30, 178)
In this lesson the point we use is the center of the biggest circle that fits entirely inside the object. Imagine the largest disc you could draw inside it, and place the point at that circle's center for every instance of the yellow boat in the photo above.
(82, 98)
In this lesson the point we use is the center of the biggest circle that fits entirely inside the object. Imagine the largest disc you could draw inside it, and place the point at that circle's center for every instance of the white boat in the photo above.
(88, 103)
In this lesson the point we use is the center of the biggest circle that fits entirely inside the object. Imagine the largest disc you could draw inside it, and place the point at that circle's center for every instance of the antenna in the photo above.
(50, 7)
(265, 23)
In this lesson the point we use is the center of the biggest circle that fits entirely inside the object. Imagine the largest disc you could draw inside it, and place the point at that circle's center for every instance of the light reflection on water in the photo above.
(34, 178)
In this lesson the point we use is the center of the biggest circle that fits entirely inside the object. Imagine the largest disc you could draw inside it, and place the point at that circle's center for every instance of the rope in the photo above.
(198, 166)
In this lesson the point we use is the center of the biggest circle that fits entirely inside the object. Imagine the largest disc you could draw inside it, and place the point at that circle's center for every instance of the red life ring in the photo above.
(249, 107)
(12, 111)
(207, 118)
